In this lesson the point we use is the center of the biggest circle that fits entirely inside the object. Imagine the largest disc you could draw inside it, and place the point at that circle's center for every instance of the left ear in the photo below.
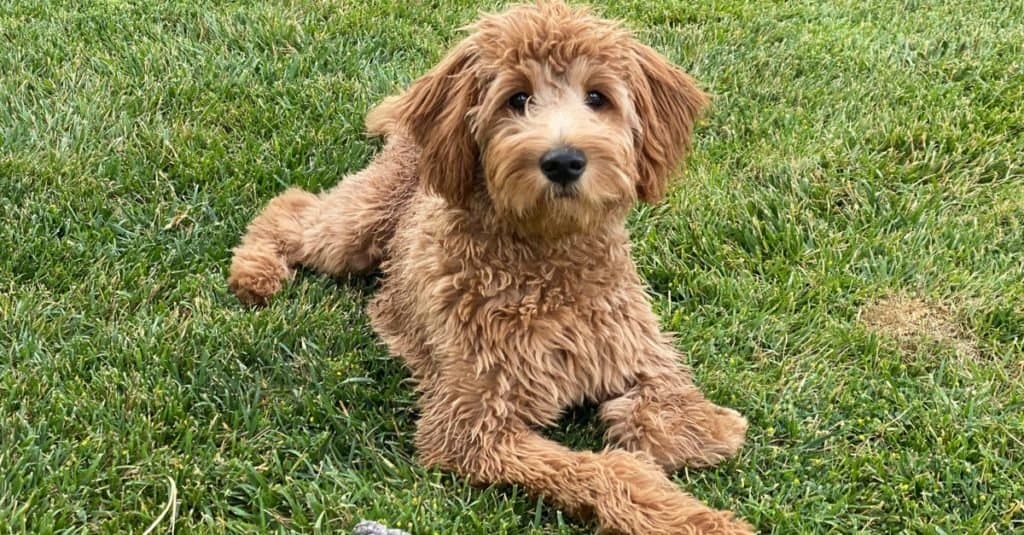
(668, 103)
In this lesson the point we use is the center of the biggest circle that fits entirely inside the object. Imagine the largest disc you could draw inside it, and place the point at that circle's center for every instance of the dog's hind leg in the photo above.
(343, 230)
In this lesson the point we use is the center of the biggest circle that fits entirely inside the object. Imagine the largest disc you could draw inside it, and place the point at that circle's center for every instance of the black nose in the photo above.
(563, 165)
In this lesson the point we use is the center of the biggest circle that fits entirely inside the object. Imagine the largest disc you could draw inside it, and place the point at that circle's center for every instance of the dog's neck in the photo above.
(479, 218)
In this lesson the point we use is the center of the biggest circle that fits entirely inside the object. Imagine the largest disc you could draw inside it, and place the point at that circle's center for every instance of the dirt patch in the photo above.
(912, 321)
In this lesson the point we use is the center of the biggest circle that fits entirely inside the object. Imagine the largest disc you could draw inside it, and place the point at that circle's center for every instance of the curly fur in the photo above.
(509, 298)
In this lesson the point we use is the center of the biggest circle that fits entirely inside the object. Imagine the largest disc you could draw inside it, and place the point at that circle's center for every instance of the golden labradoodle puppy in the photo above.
(496, 213)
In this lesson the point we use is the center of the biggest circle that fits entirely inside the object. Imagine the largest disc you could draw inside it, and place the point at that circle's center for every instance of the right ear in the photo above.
(433, 112)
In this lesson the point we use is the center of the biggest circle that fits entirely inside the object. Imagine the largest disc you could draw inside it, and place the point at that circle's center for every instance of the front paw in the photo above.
(687, 430)
(641, 500)
(710, 523)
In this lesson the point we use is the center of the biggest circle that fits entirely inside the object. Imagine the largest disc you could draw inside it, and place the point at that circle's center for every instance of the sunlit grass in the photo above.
(856, 151)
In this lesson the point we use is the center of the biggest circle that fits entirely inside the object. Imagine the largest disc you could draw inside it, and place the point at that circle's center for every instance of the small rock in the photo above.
(367, 527)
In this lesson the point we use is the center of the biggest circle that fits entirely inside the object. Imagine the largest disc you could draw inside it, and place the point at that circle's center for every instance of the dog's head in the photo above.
(563, 118)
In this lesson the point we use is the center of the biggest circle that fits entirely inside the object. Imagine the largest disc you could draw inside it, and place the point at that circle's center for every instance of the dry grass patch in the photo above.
(912, 321)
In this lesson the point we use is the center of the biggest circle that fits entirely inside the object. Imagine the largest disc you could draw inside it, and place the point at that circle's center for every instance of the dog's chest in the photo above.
(552, 338)
(539, 329)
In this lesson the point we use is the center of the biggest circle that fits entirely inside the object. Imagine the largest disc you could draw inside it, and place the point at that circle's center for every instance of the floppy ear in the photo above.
(668, 104)
(433, 111)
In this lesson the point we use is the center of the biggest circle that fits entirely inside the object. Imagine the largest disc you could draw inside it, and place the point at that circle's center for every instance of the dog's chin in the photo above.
(557, 192)
(563, 211)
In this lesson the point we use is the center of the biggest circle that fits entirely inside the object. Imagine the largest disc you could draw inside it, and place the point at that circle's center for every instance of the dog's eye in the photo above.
(518, 101)
(596, 100)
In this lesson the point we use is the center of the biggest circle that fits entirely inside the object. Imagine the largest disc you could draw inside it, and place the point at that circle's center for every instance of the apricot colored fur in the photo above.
(508, 297)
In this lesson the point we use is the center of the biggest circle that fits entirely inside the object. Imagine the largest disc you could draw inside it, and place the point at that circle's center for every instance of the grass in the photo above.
(859, 153)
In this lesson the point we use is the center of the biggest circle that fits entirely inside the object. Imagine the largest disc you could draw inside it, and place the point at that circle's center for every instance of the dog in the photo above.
(495, 213)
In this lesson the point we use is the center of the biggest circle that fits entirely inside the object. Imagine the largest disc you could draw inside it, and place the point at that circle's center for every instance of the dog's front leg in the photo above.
(667, 417)
(626, 491)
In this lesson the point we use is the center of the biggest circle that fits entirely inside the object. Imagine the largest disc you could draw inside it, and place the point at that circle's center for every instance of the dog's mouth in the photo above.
(564, 192)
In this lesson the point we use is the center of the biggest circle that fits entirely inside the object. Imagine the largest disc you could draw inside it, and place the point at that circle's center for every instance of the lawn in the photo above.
(843, 262)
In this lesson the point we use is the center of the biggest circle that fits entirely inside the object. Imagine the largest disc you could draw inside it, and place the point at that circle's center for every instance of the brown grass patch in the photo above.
(912, 321)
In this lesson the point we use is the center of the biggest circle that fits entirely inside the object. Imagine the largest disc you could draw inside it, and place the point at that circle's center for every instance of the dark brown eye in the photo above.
(518, 101)
(595, 100)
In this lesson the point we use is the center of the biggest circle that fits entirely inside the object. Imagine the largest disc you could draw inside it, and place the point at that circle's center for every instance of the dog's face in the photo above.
(563, 118)
(556, 141)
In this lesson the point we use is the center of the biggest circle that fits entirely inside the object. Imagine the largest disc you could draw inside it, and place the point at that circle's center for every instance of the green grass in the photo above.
(856, 150)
